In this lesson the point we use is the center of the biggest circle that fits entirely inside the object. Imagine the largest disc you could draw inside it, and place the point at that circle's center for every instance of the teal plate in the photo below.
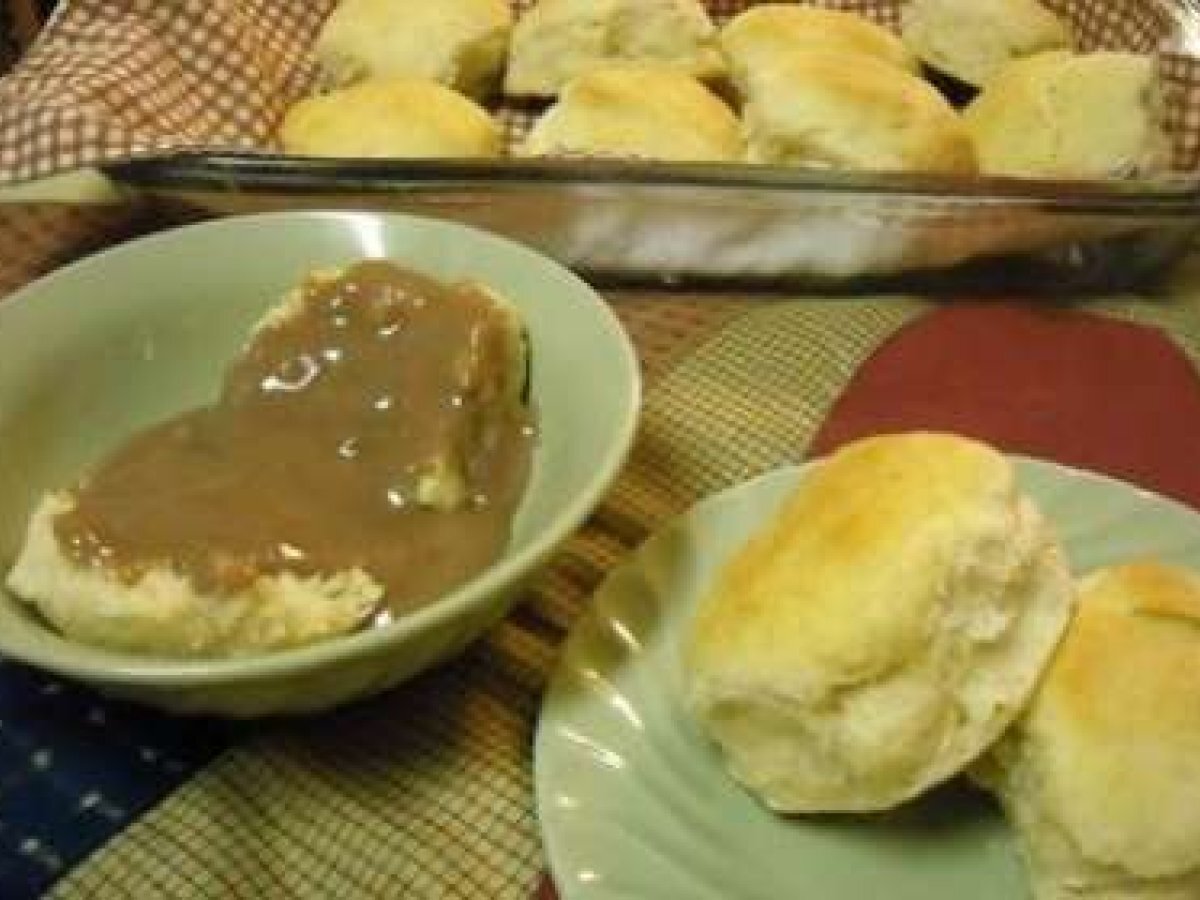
(633, 801)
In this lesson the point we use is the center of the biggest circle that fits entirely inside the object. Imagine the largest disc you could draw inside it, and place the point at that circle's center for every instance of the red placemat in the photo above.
(1073, 387)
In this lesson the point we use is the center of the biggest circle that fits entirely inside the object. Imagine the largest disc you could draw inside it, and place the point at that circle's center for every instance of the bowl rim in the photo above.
(130, 669)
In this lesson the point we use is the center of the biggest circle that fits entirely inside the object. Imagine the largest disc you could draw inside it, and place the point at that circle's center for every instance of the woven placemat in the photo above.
(427, 791)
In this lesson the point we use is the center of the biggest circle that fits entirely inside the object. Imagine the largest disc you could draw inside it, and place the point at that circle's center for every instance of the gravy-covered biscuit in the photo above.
(557, 40)
(1101, 774)
(882, 629)
(460, 43)
(393, 117)
(637, 111)
(365, 455)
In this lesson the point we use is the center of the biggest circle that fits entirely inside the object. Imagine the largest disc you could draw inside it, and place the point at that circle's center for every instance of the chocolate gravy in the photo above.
(378, 425)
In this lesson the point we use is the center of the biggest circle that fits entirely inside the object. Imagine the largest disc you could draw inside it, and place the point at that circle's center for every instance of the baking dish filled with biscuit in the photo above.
(995, 142)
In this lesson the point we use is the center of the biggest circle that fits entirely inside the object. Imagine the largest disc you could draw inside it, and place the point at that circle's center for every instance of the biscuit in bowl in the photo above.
(1101, 774)
(364, 457)
(460, 43)
(396, 118)
(637, 111)
(557, 40)
(881, 630)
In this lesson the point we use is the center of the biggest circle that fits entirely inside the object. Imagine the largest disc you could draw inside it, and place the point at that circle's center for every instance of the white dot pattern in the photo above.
(75, 770)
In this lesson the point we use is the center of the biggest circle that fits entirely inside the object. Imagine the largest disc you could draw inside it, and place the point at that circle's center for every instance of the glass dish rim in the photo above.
(264, 171)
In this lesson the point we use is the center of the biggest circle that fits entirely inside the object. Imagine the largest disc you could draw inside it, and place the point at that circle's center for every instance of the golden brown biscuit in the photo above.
(558, 40)
(842, 111)
(972, 39)
(1060, 115)
(882, 629)
(460, 43)
(763, 33)
(639, 111)
(396, 118)
(1101, 775)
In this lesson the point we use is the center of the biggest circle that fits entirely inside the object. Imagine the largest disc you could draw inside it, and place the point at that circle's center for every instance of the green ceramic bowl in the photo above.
(131, 335)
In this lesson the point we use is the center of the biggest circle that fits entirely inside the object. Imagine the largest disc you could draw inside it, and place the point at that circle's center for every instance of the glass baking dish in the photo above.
(615, 220)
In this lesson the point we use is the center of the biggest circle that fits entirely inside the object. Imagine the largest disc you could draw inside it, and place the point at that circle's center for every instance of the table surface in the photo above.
(426, 791)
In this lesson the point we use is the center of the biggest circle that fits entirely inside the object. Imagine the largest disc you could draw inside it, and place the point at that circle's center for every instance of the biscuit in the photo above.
(881, 630)
(1101, 774)
(155, 608)
(636, 111)
(1060, 115)
(763, 33)
(842, 111)
(971, 39)
(163, 614)
(460, 43)
(558, 40)
(390, 118)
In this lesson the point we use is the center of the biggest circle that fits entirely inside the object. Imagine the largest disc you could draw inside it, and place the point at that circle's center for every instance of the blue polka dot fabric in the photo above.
(75, 768)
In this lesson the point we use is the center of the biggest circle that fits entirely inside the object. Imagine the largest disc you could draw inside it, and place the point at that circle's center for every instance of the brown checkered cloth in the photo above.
(115, 79)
